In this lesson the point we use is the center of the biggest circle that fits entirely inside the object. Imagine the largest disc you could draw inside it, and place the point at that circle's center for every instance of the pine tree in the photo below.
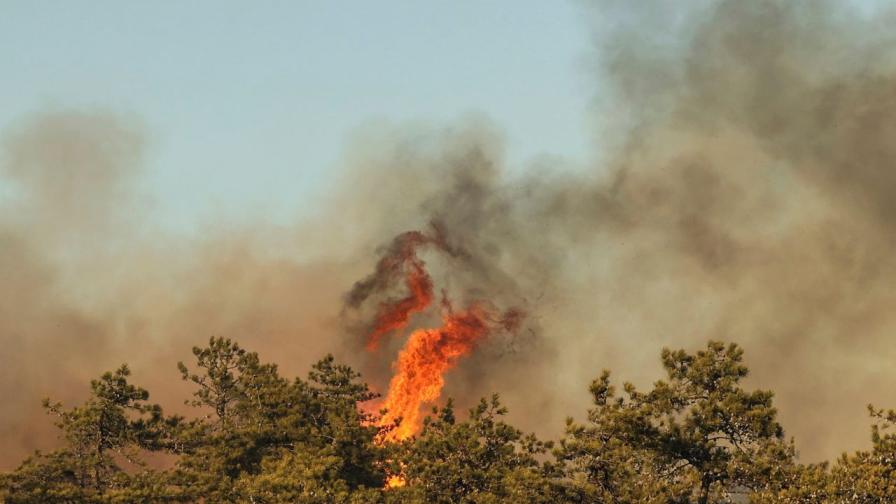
(695, 437)
(102, 460)
(482, 460)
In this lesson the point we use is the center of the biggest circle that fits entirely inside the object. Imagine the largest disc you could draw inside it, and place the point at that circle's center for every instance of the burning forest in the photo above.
(429, 352)
(695, 308)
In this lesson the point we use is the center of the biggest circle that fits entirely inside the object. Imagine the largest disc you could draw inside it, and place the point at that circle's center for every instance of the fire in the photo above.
(395, 481)
(400, 262)
(422, 363)
(428, 353)
(395, 316)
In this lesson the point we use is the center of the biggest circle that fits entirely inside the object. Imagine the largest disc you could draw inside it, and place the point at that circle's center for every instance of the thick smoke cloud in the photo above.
(753, 199)
(744, 191)
(86, 281)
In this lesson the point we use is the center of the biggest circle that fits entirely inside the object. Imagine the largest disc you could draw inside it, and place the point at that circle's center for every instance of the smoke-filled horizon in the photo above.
(744, 192)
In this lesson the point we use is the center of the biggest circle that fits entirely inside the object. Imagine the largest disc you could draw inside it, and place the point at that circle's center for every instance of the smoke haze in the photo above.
(744, 190)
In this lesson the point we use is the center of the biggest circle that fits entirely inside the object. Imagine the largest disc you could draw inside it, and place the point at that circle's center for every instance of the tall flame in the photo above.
(422, 363)
(428, 353)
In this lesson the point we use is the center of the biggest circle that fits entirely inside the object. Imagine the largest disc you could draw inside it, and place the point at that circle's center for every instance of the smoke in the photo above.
(87, 282)
(744, 190)
(752, 199)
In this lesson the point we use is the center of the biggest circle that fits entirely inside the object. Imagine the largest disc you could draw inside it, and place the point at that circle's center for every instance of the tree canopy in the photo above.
(696, 436)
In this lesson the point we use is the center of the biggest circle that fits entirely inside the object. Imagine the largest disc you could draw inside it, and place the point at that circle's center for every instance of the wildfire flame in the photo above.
(395, 481)
(400, 262)
(428, 353)
(421, 365)
(396, 315)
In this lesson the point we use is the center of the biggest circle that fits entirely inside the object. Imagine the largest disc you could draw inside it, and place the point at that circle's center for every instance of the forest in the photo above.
(697, 436)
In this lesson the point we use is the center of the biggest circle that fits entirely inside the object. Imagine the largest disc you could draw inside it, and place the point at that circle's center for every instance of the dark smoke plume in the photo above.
(745, 192)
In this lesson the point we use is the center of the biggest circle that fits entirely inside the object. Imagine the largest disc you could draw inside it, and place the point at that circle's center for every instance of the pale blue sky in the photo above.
(248, 105)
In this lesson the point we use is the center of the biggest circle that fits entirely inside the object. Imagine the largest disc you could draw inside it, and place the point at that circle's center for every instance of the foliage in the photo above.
(482, 460)
(101, 461)
(259, 419)
(696, 436)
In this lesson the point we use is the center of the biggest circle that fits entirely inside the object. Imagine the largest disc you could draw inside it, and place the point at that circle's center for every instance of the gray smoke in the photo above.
(745, 192)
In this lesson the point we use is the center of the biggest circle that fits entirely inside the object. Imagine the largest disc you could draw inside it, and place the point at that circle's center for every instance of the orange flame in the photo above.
(428, 353)
(422, 363)
(395, 481)
(401, 259)
(395, 315)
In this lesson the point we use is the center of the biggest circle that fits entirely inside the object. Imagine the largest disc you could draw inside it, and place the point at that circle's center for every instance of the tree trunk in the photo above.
(705, 485)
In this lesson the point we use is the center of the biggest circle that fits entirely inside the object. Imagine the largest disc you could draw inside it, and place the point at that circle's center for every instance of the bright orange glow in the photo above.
(402, 260)
(395, 315)
(428, 353)
(422, 363)
(395, 482)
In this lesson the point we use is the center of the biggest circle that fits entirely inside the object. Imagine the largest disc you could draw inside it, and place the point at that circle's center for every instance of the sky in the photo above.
(247, 111)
